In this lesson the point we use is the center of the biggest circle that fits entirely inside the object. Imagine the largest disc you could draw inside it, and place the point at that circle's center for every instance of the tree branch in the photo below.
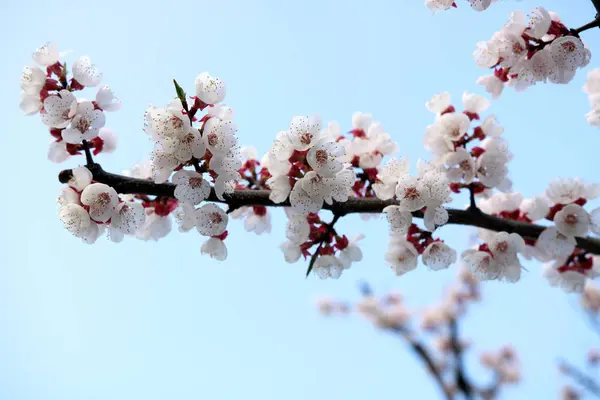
(462, 382)
(584, 380)
(424, 355)
(240, 198)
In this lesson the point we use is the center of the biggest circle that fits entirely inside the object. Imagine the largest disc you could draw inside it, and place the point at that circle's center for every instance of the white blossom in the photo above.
(106, 100)
(186, 217)
(401, 255)
(438, 255)
(475, 103)
(191, 187)
(352, 253)
(155, 226)
(81, 177)
(85, 125)
(291, 251)
(324, 158)
(304, 132)
(572, 220)
(109, 140)
(128, 218)
(398, 219)
(328, 266)
(102, 201)
(555, 244)
(46, 55)
(211, 220)
(209, 89)
(492, 84)
(85, 72)
(75, 219)
(57, 152)
(215, 248)
(59, 109)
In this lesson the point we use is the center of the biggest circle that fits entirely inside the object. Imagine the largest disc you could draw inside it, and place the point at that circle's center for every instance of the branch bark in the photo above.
(240, 198)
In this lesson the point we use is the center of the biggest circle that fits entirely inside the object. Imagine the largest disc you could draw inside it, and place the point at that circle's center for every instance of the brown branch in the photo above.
(240, 198)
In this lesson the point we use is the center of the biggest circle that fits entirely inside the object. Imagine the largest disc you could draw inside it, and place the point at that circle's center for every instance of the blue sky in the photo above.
(157, 320)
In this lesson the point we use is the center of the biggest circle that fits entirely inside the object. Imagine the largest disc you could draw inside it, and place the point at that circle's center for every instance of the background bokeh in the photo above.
(156, 320)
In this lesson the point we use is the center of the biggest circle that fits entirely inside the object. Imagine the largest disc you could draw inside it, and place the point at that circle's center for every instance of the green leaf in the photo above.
(180, 93)
(312, 260)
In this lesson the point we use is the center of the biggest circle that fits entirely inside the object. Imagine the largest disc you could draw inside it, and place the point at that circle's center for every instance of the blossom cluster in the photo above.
(530, 50)
(88, 209)
(566, 265)
(70, 120)
(476, 160)
(443, 5)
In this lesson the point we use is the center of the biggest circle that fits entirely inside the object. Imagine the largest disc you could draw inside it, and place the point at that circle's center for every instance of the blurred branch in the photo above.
(424, 354)
(462, 383)
(588, 383)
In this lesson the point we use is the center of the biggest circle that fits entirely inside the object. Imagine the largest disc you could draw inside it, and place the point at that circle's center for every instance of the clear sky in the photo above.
(153, 320)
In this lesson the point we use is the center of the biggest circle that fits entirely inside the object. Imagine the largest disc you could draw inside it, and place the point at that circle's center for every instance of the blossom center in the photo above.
(465, 165)
(215, 218)
(177, 123)
(321, 156)
(502, 247)
(571, 219)
(411, 193)
(83, 124)
(306, 138)
(103, 199)
(569, 47)
(195, 182)
(517, 48)
(213, 139)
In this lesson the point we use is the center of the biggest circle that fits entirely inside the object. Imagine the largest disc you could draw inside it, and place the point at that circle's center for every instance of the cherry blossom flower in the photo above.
(461, 166)
(539, 23)
(554, 243)
(438, 255)
(454, 125)
(57, 152)
(324, 158)
(388, 177)
(155, 226)
(191, 187)
(572, 220)
(81, 177)
(68, 195)
(85, 72)
(46, 55)
(32, 81)
(492, 84)
(102, 201)
(128, 218)
(304, 132)
(75, 218)
(85, 125)
(209, 89)
(351, 253)
(291, 251)
(438, 5)
(215, 248)
(59, 110)
(186, 217)
(328, 266)
(480, 5)
(106, 100)
(401, 255)
(109, 140)
(398, 219)
(412, 193)
(211, 220)
(474, 103)
(257, 219)
(219, 135)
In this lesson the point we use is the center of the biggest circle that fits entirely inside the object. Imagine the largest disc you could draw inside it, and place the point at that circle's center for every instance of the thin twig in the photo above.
(330, 229)
(89, 160)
